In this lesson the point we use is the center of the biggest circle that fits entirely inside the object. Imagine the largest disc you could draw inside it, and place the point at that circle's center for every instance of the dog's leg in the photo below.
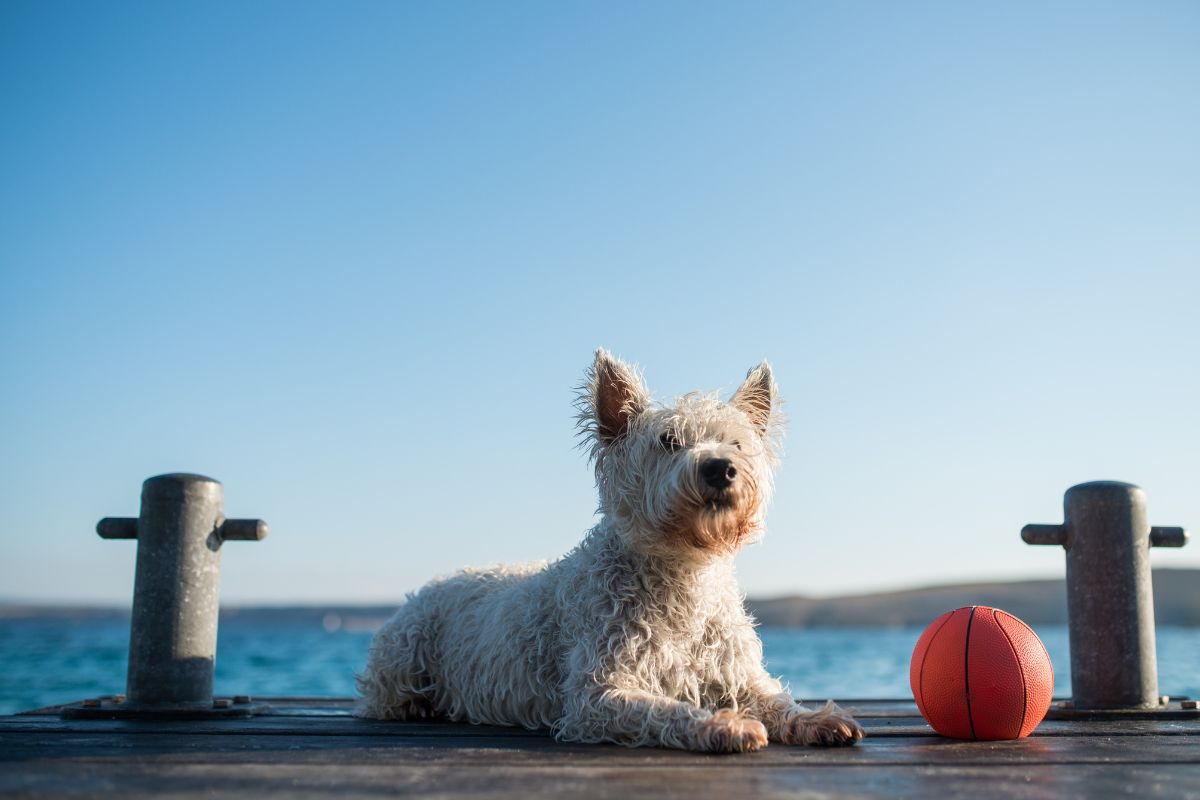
(395, 683)
(635, 718)
(791, 723)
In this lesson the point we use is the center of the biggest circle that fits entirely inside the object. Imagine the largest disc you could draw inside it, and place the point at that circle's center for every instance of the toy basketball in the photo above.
(981, 673)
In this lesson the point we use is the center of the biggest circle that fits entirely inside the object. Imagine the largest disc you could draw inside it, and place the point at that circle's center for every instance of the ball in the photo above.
(981, 673)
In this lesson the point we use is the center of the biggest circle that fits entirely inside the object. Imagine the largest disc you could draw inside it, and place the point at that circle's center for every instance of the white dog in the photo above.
(638, 635)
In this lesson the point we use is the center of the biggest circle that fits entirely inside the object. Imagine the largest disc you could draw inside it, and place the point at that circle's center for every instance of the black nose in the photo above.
(718, 472)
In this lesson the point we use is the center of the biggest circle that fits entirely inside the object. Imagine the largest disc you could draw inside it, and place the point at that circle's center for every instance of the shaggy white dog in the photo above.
(638, 635)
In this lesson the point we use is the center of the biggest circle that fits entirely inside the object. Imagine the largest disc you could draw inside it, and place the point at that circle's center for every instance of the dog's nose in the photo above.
(718, 472)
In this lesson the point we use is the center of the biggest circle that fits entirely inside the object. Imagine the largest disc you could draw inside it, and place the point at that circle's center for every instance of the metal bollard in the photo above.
(1110, 600)
(173, 631)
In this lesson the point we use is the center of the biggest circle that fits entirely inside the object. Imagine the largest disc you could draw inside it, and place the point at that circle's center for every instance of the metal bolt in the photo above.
(1189, 704)
(241, 698)
(117, 698)
(1110, 600)
(92, 702)
(222, 702)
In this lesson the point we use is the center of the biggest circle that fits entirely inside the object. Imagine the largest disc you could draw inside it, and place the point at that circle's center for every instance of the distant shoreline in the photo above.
(1176, 602)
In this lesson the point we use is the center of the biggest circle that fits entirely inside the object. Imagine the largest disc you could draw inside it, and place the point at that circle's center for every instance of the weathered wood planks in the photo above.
(312, 747)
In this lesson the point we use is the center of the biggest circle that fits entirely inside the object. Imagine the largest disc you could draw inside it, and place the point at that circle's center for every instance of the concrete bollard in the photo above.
(1110, 599)
(173, 631)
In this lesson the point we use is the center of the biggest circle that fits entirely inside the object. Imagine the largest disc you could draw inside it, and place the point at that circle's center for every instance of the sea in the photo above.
(48, 661)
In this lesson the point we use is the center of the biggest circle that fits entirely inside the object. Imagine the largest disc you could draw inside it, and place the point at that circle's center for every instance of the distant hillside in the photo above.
(1176, 602)
(331, 617)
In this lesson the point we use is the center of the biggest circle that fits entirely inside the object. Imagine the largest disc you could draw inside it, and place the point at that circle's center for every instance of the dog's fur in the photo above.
(638, 635)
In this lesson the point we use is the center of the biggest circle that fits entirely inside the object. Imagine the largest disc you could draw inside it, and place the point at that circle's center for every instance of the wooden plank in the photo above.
(345, 725)
(344, 706)
(479, 752)
(310, 747)
(715, 780)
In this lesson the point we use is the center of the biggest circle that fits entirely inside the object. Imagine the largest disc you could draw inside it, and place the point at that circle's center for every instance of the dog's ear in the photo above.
(612, 396)
(757, 397)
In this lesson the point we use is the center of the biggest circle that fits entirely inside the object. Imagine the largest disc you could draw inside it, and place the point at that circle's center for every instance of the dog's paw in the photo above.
(829, 727)
(410, 708)
(728, 732)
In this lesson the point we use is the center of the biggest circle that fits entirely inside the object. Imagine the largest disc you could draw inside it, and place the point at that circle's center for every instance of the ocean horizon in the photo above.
(49, 660)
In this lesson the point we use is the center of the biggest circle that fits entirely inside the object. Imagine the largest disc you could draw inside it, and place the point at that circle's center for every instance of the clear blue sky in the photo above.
(351, 258)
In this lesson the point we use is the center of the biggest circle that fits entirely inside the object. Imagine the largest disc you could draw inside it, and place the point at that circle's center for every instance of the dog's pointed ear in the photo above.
(757, 397)
(612, 396)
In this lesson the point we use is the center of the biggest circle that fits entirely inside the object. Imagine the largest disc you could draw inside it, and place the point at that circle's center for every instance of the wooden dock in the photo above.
(309, 747)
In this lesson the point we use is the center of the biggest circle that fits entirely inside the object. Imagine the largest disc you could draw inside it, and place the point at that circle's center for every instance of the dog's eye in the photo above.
(736, 444)
(670, 441)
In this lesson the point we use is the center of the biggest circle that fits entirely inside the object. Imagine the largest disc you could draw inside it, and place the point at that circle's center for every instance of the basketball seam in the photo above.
(925, 656)
(1020, 668)
(967, 672)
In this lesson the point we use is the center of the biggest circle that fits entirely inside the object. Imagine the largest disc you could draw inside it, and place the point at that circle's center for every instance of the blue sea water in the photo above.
(49, 661)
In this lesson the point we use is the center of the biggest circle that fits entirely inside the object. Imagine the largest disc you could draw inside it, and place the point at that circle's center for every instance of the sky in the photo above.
(351, 259)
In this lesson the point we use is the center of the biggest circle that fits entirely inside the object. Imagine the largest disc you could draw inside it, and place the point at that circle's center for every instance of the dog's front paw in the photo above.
(829, 727)
(728, 732)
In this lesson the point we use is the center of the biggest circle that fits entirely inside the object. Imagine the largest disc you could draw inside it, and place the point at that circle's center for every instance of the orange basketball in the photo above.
(981, 673)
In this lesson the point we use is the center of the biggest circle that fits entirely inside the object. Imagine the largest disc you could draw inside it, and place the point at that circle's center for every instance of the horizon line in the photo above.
(8, 602)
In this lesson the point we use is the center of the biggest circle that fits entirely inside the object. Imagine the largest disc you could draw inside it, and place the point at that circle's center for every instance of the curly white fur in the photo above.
(638, 635)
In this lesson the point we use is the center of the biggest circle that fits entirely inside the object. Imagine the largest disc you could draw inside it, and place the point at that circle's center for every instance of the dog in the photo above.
(639, 635)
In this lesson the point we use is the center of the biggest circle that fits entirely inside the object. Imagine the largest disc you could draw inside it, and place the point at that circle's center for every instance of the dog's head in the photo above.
(686, 480)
